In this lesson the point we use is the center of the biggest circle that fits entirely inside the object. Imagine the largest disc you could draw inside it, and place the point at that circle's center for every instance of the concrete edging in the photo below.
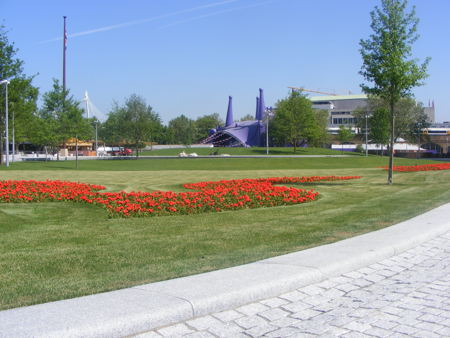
(143, 308)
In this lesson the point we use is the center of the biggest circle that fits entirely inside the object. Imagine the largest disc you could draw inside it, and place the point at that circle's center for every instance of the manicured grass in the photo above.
(245, 151)
(207, 164)
(52, 251)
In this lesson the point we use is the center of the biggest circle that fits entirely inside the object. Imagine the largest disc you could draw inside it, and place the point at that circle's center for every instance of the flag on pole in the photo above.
(65, 34)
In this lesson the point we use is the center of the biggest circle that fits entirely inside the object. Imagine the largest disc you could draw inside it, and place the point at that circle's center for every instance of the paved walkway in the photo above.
(391, 282)
(407, 295)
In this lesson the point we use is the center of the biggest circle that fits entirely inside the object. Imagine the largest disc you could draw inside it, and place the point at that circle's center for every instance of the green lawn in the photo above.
(245, 151)
(52, 251)
(216, 164)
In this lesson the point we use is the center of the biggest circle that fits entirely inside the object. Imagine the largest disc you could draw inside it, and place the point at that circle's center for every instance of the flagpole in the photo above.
(64, 55)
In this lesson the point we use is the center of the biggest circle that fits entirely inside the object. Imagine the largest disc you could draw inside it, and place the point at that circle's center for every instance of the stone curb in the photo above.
(146, 307)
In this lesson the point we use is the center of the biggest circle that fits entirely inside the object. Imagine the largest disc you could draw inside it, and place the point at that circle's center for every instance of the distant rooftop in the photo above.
(338, 97)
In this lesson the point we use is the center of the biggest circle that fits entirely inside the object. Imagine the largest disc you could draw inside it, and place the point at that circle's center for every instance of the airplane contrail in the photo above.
(214, 13)
(138, 22)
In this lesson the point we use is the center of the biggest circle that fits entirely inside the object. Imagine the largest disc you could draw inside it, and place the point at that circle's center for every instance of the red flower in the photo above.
(207, 197)
(423, 167)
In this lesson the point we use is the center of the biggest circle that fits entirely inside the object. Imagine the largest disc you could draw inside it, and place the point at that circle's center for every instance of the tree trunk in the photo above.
(391, 146)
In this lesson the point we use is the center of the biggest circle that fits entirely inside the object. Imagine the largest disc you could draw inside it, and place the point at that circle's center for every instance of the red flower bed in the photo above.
(423, 167)
(208, 197)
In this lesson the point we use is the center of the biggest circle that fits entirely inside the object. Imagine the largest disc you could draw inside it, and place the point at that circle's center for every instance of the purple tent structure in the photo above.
(257, 108)
(261, 107)
(229, 120)
(241, 134)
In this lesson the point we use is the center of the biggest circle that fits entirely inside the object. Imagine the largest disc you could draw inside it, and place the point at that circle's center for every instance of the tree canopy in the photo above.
(204, 124)
(344, 135)
(60, 119)
(409, 114)
(181, 130)
(133, 123)
(22, 95)
(296, 122)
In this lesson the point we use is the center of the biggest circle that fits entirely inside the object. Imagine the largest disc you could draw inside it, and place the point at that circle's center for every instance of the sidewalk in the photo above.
(407, 295)
(147, 307)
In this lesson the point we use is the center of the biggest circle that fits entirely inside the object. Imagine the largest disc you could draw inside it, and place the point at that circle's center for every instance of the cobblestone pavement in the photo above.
(407, 295)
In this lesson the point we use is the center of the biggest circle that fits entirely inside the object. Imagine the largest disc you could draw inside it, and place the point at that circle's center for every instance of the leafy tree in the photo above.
(181, 130)
(379, 127)
(415, 132)
(410, 115)
(344, 135)
(387, 60)
(296, 122)
(22, 95)
(111, 130)
(204, 124)
(315, 129)
(133, 123)
(410, 119)
(60, 119)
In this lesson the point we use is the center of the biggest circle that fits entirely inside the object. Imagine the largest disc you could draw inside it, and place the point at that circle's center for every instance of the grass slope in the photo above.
(52, 251)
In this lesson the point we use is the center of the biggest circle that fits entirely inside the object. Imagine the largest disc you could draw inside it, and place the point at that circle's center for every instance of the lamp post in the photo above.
(367, 151)
(418, 141)
(13, 138)
(6, 83)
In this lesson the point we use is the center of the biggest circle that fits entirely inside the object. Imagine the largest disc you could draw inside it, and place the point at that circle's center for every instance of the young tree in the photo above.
(111, 130)
(409, 116)
(61, 118)
(344, 135)
(22, 95)
(134, 123)
(379, 127)
(296, 122)
(388, 65)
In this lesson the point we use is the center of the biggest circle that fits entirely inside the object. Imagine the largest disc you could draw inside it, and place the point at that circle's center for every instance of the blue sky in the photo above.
(187, 56)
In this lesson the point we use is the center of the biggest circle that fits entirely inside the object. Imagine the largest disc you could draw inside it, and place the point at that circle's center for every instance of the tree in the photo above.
(111, 130)
(387, 60)
(22, 95)
(133, 123)
(60, 119)
(410, 116)
(296, 122)
(344, 135)
(204, 124)
(379, 127)
(181, 130)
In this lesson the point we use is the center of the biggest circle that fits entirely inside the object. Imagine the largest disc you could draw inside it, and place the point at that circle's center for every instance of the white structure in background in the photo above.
(103, 151)
(403, 147)
(90, 108)
(86, 102)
